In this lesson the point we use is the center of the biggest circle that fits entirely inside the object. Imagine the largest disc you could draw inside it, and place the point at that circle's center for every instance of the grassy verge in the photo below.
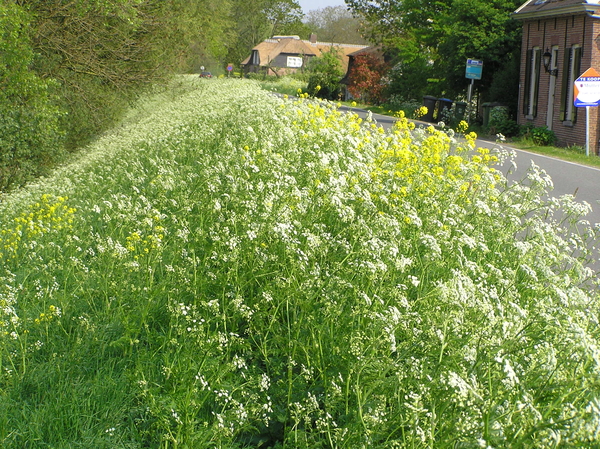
(229, 269)
(567, 154)
(286, 85)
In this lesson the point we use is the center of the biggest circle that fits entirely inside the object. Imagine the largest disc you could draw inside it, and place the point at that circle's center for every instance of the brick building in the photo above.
(561, 40)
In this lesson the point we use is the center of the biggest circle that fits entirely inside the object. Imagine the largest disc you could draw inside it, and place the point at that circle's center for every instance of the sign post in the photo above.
(229, 69)
(473, 72)
(587, 93)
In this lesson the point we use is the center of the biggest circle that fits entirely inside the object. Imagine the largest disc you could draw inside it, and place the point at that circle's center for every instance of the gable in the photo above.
(535, 9)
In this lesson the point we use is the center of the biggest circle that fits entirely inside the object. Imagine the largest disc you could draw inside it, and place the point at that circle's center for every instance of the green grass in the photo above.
(229, 269)
(576, 154)
(286, 85)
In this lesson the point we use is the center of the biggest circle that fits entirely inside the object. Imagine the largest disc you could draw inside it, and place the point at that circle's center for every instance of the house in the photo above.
(282, 55)
(561, 40)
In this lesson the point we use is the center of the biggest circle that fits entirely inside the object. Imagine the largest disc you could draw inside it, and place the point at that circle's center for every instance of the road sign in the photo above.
(586, 93)
(229, 67)
(587, 89)
(474, 69)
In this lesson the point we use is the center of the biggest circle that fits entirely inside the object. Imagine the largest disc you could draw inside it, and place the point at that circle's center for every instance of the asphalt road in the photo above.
(567, 177)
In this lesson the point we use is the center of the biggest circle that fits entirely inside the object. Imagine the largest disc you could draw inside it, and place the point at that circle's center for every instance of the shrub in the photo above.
(501, 123)
(325, 73)
(411, 108)
(30, 137)
(543, 136)
(539, 135)
(365, 79)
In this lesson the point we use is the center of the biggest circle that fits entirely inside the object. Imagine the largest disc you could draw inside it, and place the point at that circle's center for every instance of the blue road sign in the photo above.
(474, 69)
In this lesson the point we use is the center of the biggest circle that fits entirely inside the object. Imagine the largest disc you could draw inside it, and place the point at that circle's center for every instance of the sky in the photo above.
(309, 5)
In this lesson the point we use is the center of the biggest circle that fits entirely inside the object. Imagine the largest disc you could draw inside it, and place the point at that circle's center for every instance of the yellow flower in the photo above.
(462, 127)
(420, 112)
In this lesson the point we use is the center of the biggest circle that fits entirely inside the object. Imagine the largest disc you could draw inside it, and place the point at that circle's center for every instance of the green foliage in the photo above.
(480, 30)
(500, 122)
(539, 135)
(506, 80)
(229, 269)
(325, 75)
(577, 149)
(104, 54)
(287, 85)
(92, 60)
(412, 75)
(396, 103)
(30, 137)
(446, 33)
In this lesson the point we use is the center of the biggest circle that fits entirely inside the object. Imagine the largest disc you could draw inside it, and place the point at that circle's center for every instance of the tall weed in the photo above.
(230, 269)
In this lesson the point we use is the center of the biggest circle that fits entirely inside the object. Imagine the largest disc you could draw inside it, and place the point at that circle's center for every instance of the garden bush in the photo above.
(501, 123)
(325, 73)
(539, 135)
(230, 269)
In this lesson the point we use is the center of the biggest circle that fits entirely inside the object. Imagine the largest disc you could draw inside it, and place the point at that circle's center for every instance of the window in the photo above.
(294, 61)
(572, 66)
(532, 82)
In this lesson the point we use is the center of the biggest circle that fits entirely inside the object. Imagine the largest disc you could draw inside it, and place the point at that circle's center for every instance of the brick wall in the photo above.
(561, 32)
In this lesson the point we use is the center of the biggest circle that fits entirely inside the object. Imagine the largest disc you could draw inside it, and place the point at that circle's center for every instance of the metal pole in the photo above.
(587, 130)
(469, 95)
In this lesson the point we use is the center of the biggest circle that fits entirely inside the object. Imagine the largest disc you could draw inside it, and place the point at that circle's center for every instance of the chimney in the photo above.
(313, 38)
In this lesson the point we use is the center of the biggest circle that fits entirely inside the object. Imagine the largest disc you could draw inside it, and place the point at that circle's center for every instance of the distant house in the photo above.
(561, 40)
(282, 55)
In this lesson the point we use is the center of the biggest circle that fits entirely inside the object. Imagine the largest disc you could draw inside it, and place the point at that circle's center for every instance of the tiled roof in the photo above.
(545, 8)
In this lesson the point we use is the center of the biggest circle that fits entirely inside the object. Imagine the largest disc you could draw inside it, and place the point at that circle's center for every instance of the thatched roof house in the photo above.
(287, 54)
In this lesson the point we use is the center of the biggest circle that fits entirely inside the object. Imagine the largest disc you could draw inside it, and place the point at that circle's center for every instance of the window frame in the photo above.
(533, 65)
(571, 71)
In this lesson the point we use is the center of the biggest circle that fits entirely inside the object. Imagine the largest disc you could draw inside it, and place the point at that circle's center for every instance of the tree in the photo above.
(448, 32)
(365, 78)
(336, 24)
(255, 21)
(103, 53)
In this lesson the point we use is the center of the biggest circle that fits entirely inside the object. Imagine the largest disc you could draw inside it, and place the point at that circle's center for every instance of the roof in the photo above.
(534, 9)
(269, 49)
(374, 50)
